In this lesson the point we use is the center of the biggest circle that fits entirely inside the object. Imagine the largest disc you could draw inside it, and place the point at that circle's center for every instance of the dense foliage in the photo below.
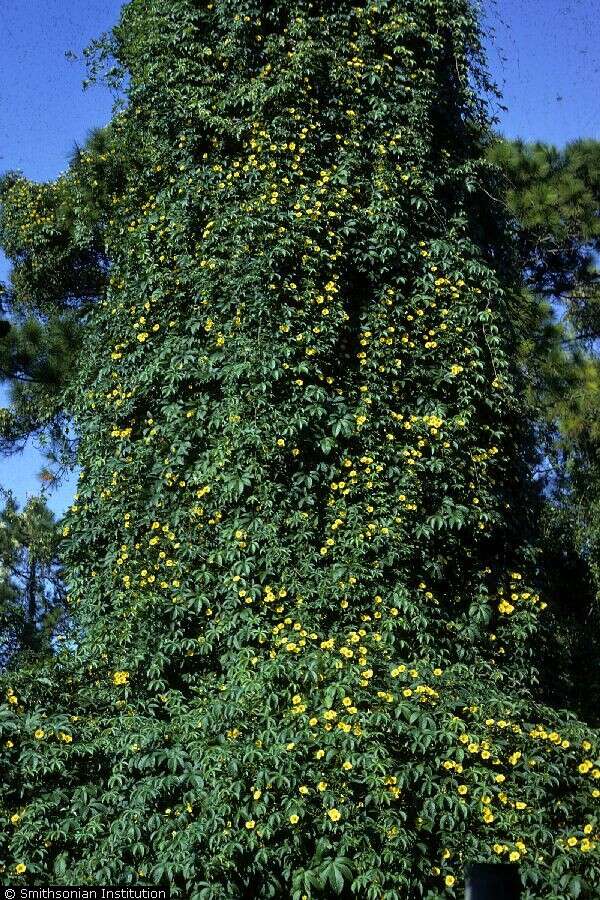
(298, 560)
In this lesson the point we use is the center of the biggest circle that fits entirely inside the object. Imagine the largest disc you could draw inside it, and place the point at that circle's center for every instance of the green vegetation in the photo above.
(32, 607)
(301, 563)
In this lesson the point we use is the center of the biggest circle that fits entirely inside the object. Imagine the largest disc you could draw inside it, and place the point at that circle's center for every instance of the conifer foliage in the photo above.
(298, 559)
(32, 603)
(53, 234)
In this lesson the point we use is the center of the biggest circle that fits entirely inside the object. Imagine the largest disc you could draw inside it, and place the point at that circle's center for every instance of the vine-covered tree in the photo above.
(298, 561)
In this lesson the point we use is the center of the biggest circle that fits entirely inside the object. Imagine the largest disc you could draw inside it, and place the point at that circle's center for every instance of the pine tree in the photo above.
(31, 590)
(553, 197)
(54, 236)
(298, 559)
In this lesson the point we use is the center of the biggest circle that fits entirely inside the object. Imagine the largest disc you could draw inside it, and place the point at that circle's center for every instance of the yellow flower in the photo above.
(572, 841)
(347, 766)
(303, 789)
(20, 868)
(463, 789)
(515, 856)
(334, 814)
(120, 677)
(294, 819)
(257, 794)
(322, 785)
(449, 880)
(39, 734)
(250, 824)
(15, 818)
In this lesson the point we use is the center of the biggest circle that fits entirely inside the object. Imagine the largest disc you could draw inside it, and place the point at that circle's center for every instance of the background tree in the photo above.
(54, 236)
(32, 595)
(554, 198)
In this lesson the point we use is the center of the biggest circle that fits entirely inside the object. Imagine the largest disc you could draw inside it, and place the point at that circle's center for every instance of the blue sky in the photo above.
(543, 55)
